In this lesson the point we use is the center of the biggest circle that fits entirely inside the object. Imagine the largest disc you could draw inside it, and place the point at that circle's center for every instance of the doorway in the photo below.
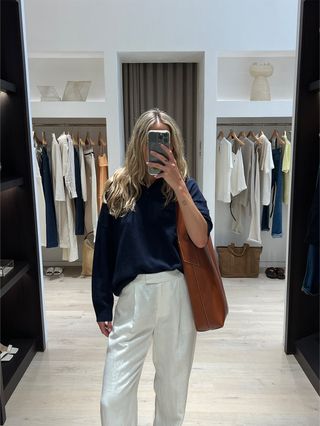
(171, 87)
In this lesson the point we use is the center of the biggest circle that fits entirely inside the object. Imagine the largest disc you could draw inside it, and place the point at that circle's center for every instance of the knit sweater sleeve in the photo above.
(199, 201)
(103, 267)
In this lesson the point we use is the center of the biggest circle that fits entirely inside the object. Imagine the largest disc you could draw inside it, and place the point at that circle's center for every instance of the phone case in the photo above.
(155, 137)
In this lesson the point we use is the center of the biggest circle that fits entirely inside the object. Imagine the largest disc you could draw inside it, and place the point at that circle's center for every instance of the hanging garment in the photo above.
(83, 173)
(237, 180)
(224, 166)
(266, 166)
(255, 227)
(59, 194)
(41, 202)
(242, 204)
(67, 153)
(102, 177)
(91, 206)
(78, 202)
(277, 191)
(311, 282)
(51, 223)
(286, 168)
(65, 142)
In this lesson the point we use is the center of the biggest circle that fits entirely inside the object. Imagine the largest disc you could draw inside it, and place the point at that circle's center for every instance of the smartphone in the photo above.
(155, 138)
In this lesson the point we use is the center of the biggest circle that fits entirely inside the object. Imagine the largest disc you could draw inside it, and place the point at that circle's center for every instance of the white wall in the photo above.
(117, 27)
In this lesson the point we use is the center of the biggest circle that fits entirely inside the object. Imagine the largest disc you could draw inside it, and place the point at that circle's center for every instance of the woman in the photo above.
(136, 258)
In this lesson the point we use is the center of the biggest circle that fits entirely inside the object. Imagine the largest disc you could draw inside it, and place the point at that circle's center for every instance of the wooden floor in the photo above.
(240, 375)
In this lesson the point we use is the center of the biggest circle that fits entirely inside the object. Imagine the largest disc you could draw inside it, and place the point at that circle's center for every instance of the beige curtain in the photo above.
(172, 87)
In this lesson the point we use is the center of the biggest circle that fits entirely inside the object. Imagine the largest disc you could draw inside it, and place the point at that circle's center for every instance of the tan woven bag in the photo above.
(239, 262)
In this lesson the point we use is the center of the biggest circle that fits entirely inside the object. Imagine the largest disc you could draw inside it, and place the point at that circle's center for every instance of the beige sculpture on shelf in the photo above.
(260, 90)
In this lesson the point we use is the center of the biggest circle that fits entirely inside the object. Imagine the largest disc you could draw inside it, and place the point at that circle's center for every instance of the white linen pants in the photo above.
(152, 307)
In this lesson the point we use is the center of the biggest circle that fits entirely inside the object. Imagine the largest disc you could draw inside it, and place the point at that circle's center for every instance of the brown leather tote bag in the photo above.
(201, 271)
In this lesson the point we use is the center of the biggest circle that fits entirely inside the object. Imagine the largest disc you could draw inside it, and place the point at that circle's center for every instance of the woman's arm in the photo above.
(196, 224)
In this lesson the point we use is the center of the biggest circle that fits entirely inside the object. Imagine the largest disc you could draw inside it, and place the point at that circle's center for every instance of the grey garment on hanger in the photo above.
(255, 225)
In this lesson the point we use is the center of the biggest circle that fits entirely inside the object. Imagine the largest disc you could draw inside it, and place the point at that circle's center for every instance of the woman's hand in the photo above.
(105, 327)
(169, 170)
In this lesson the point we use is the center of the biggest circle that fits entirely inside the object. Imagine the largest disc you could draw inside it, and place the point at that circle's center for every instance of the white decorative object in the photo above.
(260, 90)
(76, 91)
(48, 93)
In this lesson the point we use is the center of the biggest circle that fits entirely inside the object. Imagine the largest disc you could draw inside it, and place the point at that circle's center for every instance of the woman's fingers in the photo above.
(157, 165)
(168, 151)
(160, 156)
(105, 327)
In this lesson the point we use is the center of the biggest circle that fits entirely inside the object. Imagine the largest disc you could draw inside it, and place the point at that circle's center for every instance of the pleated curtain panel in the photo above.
(171, 87)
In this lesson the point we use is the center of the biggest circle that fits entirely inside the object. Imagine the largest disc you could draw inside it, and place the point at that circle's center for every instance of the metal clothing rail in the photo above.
(68, 124)
(266, 123)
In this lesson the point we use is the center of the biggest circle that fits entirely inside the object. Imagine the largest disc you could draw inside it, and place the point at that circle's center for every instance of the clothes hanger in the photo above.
(75, 140)
(44, 139)
(36, 139)
(81, 142)
(242, 134)
(275, 135)
(220, 135)
(101, 143)
(88, 140)
(254, 137)
(232, 135)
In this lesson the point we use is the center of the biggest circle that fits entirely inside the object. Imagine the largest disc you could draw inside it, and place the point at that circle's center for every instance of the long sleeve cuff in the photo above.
(105, 314)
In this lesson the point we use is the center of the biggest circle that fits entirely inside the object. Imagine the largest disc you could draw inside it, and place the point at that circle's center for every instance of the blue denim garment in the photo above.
(276, 190)
(311, 282)
(51, 222)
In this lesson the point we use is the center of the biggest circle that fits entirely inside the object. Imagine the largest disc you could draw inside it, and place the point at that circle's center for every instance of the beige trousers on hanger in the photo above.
(102, 177)
(152, 308)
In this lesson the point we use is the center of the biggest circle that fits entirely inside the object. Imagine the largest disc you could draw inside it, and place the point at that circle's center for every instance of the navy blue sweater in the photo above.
(143, 241)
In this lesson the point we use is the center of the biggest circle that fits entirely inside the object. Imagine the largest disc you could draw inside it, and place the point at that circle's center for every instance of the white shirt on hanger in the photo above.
(41, 201)
(71, 253)
(224, 166)
(59, 194)
(266, 166)
(68, 171)
(255, 224)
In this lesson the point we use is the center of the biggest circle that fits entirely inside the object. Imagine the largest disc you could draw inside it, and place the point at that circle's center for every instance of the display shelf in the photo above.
(21, 294)
(235, 81)
(7, 86)
(237, 108)
(7, 282)
(68, 109)
(10, 182)
(307, 354)
(13, 370)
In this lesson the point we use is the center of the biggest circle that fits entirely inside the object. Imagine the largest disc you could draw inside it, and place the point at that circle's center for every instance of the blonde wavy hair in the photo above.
(123, 189)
